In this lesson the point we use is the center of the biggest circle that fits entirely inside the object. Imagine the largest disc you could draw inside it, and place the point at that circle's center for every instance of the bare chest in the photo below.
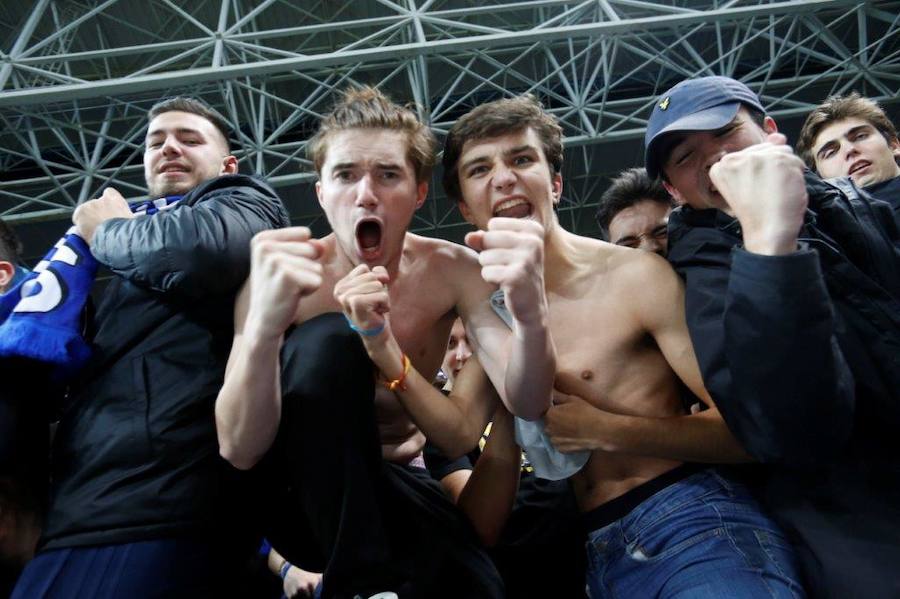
(604, 354)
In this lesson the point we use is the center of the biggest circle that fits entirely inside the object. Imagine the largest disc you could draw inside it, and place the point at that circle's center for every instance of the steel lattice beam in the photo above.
(76, 78)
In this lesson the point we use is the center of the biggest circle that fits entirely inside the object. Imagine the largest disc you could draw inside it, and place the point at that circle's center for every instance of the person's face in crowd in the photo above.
(7, 272)
(507, 176)
(458, 351)
(368, 190)
(182, 151)
(642, 225)
(687, 165)
(855, 148)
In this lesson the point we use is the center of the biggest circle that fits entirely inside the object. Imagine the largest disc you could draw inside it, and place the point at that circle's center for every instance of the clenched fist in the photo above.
(511, 254)
(764, 187)
(284, 267)
(363, 294)
(91, 214)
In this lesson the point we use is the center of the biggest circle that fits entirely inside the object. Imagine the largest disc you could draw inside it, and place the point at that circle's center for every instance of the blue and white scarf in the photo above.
(41, 314)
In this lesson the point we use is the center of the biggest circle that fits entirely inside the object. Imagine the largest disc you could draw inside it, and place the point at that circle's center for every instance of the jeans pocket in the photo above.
(662, 544)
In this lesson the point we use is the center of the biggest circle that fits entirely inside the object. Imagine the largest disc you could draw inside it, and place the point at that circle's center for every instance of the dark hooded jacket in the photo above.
(135, 455)
(802, 355)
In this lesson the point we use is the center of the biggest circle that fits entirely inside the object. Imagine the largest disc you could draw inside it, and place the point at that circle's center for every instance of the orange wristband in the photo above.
(399, 383)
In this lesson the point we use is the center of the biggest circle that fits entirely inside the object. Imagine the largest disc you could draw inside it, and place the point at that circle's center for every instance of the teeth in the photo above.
(507, 204)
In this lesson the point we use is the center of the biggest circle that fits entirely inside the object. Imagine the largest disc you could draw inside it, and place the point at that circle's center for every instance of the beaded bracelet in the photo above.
(399, 383)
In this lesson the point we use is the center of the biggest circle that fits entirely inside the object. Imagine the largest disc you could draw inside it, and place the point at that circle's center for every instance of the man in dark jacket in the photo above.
(792, 288)
(851, 136)
(141, 504)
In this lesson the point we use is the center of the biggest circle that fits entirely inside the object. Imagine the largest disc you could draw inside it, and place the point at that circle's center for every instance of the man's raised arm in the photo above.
(522, 365)
(248, 408)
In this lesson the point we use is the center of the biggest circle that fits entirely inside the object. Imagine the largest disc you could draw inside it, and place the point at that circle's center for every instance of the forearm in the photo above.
(191, 251)
(807, 410)
(701, 437)
(531, 369)
(442, 420)
(489, 495)
(248, 408)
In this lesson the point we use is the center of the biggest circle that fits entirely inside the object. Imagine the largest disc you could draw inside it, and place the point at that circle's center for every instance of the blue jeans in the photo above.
(702, 536)
(158, 569)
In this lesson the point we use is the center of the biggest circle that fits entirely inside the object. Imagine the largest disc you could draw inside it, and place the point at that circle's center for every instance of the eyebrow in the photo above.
(180, 130)
(848, 133)
(392, 166)
(506, 154)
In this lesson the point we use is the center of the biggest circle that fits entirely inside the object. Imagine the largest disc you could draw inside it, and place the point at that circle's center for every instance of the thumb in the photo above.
(475, 240)
(560, 398)
(381, 274)
(777, 139)
(320, 247)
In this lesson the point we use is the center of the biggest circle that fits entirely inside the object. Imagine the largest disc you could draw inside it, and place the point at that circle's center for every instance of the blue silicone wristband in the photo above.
(364, 332)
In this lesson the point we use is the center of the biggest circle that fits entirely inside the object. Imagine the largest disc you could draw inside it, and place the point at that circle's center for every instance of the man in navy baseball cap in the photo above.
(792, 298)
(704, 104)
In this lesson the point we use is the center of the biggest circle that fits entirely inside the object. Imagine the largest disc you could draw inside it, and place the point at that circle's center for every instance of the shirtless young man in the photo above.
(378, 523)
(659, 527)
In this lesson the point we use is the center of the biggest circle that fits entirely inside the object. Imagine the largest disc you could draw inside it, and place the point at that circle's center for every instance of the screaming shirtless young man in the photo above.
(659, 527)
(381, 524)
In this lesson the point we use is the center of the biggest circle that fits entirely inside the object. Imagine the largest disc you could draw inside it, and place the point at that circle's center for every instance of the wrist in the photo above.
(770, 244)
(385, 352)
(260, 340)
(284, 569)
(607, 428)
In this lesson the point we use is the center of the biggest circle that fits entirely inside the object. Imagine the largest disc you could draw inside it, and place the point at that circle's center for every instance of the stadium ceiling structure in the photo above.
(77, 77)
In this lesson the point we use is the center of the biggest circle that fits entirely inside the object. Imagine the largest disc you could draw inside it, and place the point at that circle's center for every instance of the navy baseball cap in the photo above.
(702, 104)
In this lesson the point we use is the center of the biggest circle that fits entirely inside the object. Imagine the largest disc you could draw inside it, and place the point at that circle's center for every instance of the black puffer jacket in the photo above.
(135, 456)
(802, 356)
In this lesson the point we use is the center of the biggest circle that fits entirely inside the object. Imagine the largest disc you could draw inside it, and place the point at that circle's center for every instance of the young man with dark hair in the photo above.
(851, 136)
(141, 504)
(634, 211)
(659, 526)
(316, 314)
(792, 287)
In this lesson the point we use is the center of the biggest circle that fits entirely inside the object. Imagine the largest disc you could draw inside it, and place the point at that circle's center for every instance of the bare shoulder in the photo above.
(454, 259)
(638, 269)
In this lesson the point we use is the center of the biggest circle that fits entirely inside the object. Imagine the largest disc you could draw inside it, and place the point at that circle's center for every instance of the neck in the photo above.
(560, 256)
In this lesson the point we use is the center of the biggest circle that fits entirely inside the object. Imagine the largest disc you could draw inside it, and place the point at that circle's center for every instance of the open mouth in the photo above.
(173, 168)
(368, 238)
(516, 208)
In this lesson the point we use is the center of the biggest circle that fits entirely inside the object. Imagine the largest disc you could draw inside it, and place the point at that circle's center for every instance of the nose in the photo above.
(850, 150)
(714, 156)
(170, 146)
(503, 177)
(463, 352)
(365, 192)
(652, 244)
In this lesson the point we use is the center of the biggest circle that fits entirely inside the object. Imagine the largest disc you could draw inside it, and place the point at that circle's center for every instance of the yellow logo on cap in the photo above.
(664, 104)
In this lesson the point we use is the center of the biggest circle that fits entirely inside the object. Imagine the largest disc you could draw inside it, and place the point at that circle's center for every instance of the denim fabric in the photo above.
(159, 569)
(703, 536)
